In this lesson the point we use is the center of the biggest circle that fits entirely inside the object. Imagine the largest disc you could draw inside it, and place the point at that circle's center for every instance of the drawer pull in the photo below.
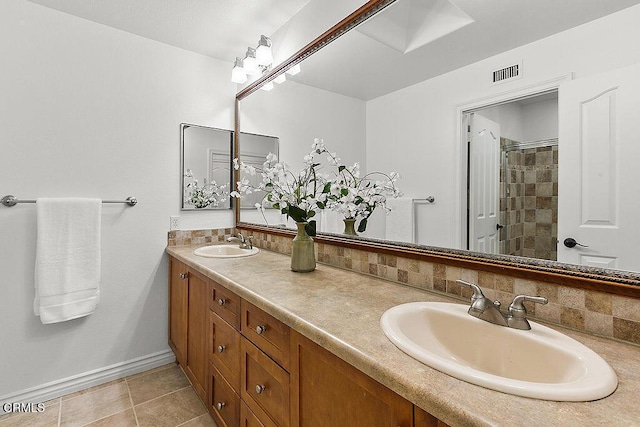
(184, 275)
(221, 348)
(260, 388)
(220, 405)
(260, 329)
(222, 301)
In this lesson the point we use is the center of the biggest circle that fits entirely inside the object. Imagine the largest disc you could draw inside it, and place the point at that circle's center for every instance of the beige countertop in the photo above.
(341, 310)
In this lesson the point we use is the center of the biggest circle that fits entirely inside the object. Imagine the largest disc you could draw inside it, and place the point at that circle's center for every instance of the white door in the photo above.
(599, 170)
(484, 184)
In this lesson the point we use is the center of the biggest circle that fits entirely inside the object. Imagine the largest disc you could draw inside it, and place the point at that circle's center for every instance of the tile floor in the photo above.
(161, 397)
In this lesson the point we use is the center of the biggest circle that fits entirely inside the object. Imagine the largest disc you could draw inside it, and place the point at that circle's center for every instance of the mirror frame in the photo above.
(591, 278)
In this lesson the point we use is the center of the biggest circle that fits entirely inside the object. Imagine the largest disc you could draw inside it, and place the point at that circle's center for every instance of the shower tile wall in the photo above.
(529, 202)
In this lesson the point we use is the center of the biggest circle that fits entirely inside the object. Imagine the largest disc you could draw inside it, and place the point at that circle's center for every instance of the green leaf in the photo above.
(268, 185)
(320, 205)
(327, 187)
(311, 214)
(362, 226)
(341, 168)
(276, 206)
(310, 228)
(344, 191)
(297, 214)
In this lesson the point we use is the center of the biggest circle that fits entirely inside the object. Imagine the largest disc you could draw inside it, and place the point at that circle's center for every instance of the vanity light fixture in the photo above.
(256, 61)
(267, 87)
(238, 74)
(264, 56)
(280, 79)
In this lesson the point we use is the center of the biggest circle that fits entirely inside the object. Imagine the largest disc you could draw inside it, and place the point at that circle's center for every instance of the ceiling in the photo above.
(439, 35)
(221, 29)
(364, 66)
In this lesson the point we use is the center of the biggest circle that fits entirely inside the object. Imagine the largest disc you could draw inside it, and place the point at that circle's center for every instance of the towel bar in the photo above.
(429, 199)
(10, 200)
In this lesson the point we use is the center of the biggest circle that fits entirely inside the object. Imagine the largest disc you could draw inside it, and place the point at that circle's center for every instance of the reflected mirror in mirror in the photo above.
(206, 167)
(253, 152)
(408, 108)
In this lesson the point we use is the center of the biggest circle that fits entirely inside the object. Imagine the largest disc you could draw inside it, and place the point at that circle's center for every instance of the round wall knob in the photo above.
(221, 348)
(260, 388)
(260, 329)
(222, 301)
(220, 405)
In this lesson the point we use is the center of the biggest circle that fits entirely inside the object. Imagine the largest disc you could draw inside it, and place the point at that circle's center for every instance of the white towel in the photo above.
(399, 225)
(67, 272)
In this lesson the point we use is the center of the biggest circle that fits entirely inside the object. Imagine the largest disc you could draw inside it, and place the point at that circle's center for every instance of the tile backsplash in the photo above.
(588, 311)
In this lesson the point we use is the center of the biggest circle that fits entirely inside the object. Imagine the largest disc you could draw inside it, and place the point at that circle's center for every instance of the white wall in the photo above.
(90, 111)
(414, 130)
(540, 120)
(307, 111)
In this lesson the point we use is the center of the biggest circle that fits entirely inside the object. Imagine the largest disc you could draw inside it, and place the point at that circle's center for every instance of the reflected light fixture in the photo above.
(294, 70)
(238, 74)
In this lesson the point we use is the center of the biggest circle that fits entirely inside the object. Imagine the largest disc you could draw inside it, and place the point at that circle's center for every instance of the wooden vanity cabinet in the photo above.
(252, 370)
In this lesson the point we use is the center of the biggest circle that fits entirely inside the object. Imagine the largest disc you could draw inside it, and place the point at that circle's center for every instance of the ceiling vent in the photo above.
(511, 72)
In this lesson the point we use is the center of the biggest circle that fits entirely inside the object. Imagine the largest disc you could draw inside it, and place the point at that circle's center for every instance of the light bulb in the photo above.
(263, 51)
(250, 63)
(238, 74)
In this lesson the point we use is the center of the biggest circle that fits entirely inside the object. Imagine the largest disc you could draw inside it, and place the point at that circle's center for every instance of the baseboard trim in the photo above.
(58, 388)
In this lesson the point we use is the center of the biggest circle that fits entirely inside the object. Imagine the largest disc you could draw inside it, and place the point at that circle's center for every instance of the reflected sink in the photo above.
(225, 251)
(540, 363)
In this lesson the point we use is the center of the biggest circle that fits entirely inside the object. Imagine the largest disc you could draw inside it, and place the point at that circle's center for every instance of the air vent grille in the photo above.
(506, 73)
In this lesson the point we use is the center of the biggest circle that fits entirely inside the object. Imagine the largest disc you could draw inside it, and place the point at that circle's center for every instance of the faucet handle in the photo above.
(517, 308)
(477, 292)
(250, 241)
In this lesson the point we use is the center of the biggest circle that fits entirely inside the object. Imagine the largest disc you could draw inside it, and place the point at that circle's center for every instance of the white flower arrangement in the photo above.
(301, 195)
(293, 194)
(356, 197)
(206, 195)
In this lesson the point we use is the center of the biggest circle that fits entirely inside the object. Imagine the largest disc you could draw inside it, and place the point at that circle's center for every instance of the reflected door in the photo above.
(484, 183)
(599, 173)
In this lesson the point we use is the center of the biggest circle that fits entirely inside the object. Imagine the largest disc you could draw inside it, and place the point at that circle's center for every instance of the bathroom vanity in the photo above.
(265, 346)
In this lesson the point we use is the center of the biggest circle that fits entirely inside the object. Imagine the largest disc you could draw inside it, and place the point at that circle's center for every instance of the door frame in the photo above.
(461, 152)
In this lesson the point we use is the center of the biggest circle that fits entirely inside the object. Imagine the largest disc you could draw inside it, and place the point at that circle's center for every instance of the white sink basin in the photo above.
(225, 251)
(540, 363)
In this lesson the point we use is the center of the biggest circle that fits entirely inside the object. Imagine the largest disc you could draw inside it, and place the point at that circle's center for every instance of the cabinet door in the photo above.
(197, 325)
(178, 294)
(327, 391)
(224, 403)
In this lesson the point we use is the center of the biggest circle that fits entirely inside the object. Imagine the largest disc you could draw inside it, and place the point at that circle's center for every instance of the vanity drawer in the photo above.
(225, 304)
(268, 333)
(224, 403)
(225, 349)
(265, 385)
(249, 419)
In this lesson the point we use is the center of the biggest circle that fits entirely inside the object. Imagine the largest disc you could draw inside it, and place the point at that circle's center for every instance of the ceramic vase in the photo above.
(303, 257)
(350, 227)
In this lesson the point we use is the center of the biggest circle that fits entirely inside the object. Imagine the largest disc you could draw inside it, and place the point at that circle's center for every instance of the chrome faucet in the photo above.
(483, 308)
(245, 243)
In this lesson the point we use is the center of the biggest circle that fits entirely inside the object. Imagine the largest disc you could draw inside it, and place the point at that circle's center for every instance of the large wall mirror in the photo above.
(512, 135)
